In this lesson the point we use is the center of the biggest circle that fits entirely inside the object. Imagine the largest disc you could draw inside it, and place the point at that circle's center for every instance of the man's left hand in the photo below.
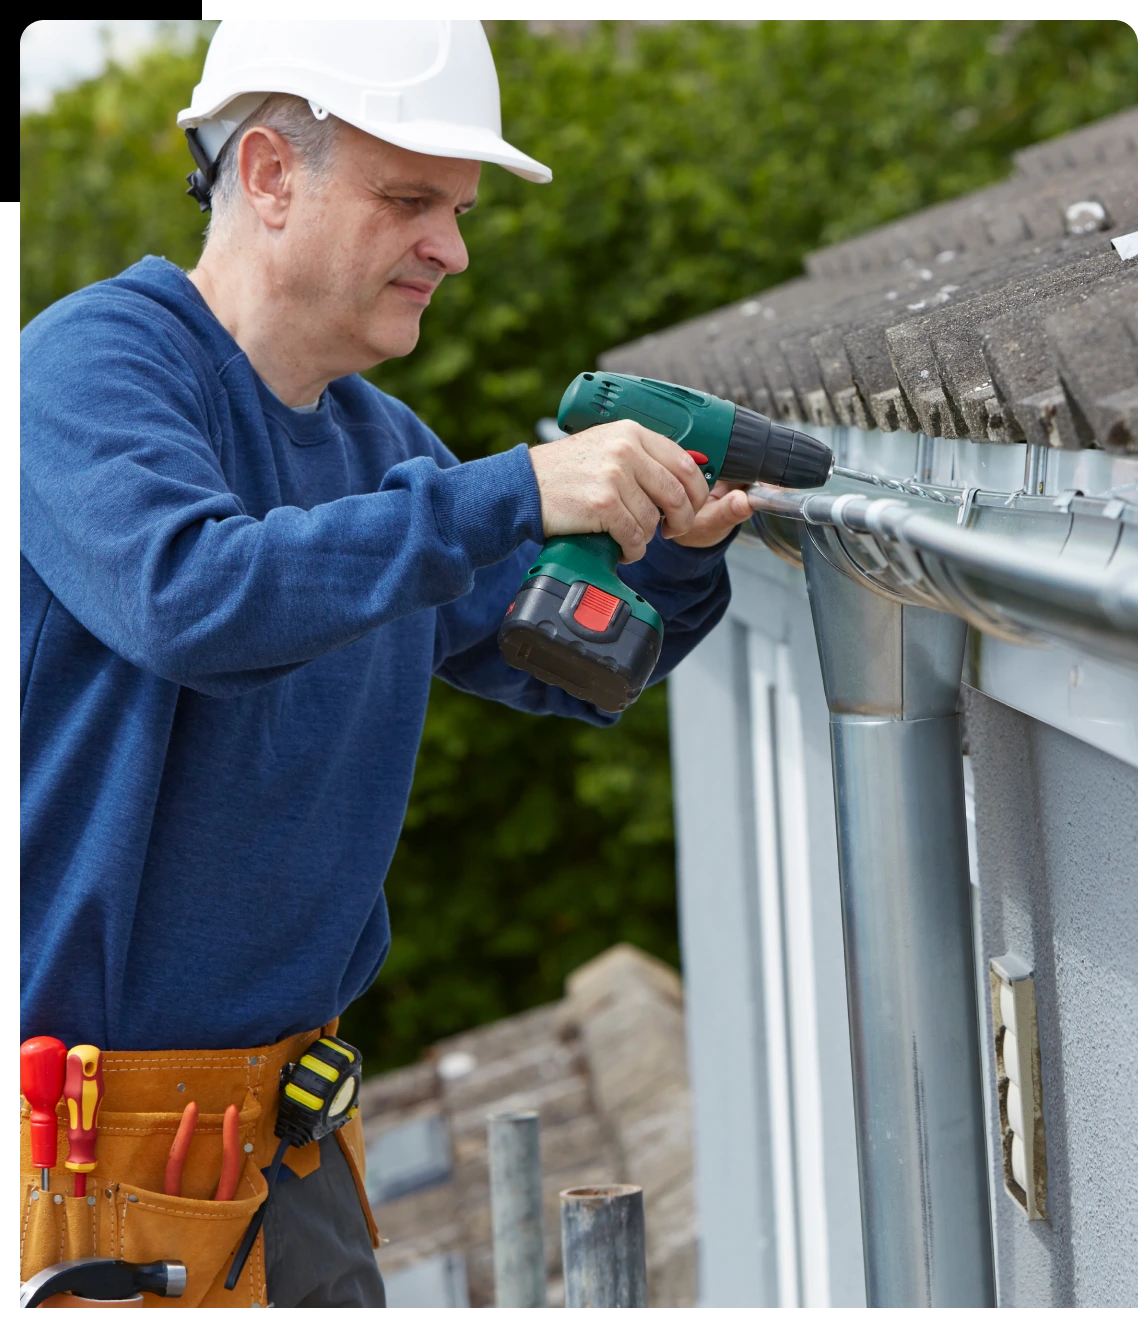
(726, 508)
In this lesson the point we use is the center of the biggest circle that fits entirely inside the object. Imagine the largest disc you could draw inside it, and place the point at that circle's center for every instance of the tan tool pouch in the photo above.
(126, 1214)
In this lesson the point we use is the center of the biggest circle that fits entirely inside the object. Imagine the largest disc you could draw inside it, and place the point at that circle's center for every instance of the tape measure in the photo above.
(320, 1093)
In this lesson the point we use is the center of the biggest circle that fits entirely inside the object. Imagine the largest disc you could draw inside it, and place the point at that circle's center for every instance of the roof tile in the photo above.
(952, 320)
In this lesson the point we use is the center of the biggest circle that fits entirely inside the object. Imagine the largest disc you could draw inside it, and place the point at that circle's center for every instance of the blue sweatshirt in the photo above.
(230, 615)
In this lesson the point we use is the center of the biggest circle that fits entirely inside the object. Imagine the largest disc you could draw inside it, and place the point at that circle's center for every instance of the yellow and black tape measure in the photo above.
(320, 1093)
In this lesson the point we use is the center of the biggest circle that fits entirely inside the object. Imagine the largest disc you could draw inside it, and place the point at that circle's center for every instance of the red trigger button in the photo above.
(698, 458)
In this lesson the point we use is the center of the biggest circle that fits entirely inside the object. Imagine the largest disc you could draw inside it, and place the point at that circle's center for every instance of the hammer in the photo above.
(104, 1280)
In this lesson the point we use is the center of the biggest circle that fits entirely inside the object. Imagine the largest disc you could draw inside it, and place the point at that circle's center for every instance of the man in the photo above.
(241, 565)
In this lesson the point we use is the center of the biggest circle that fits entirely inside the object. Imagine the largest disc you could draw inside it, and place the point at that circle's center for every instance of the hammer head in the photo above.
(103, 1280)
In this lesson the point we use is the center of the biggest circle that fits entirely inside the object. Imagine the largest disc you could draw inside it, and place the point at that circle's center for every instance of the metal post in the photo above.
(1035, 468)
(602, 1247)
(892, 676)
(515, 1208)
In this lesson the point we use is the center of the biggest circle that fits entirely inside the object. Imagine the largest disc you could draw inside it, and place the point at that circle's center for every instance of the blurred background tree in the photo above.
(694, 164)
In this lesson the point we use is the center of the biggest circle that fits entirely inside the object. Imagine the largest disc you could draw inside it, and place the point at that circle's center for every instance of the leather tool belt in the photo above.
(126, 1214)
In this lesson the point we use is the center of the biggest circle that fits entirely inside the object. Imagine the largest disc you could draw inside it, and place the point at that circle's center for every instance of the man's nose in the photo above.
(444, 246)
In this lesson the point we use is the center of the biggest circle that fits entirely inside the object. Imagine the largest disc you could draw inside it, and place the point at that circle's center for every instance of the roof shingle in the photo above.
(974, 318)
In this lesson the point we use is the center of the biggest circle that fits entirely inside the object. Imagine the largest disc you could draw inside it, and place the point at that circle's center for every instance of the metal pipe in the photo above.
(602, 1247)
(515, 1209)
(891, 674)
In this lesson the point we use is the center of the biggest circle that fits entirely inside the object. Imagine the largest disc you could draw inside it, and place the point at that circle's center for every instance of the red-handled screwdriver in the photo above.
(42, 1061)
(83, 1090)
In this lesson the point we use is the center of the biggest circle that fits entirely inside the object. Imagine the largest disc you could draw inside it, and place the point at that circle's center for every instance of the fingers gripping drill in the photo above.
(574, 623)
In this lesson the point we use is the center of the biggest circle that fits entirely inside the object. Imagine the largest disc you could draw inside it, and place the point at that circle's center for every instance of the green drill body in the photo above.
(575, 623)
(696, 421)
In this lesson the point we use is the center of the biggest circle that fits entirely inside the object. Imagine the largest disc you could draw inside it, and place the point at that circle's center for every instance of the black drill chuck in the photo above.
(762, 449)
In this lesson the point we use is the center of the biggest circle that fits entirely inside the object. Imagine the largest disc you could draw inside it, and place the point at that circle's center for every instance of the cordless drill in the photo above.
(574, 623)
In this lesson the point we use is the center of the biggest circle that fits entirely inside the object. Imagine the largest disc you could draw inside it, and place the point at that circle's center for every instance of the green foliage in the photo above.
(530, 845)
(99, 177)
(694, 163)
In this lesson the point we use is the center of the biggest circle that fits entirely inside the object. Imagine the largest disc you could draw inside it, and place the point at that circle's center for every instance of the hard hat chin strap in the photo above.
(201, 180)
(207, 141)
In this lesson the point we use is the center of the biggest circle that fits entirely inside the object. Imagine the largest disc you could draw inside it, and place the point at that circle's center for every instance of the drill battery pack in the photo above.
(582, 639)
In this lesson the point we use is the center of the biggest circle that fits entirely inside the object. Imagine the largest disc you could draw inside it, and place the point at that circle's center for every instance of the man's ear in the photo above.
(267, 167)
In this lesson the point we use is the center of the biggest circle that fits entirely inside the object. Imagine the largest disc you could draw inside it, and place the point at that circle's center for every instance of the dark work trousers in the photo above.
(317, 1249)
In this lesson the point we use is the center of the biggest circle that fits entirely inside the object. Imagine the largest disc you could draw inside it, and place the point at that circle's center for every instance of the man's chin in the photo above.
(395, 339)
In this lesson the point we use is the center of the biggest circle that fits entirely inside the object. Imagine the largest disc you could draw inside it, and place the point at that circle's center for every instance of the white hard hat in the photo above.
(426, 85)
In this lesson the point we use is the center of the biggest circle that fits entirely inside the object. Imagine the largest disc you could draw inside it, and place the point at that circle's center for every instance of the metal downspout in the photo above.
(892, 675)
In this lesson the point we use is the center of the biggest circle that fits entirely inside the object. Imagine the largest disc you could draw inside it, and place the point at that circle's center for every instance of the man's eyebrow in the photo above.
(426, 187)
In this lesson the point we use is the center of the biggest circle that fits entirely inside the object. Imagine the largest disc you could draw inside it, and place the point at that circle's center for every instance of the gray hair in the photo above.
(292, 118)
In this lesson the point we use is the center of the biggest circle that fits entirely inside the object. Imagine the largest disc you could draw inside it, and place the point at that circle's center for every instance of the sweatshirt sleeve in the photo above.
(127, 517)
(690, 589)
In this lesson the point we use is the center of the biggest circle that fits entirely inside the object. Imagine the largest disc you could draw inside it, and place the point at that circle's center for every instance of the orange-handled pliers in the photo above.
(230, 1156)
(230, 1153)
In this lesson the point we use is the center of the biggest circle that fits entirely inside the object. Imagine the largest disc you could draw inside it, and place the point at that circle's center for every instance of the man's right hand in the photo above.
(618, 478)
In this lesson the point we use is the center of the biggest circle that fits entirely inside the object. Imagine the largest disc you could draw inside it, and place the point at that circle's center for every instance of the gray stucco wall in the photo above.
(1057, 841)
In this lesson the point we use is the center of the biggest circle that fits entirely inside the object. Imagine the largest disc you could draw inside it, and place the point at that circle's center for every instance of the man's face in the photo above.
(364, 250)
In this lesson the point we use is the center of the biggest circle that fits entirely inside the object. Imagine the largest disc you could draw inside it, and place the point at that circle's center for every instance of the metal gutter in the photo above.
(1019, 567)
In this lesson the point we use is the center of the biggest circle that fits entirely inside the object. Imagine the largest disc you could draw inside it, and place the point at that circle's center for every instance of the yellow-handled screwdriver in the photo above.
(83, 1092)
